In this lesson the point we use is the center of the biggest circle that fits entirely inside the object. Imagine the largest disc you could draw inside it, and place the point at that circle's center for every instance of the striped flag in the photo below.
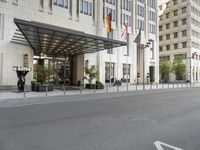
(108, 21)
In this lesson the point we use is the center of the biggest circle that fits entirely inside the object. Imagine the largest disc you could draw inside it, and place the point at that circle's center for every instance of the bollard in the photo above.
(136, 87)
(157, 86)
(177, 85)
(106, 88)
(64, 89)
(127, 86)
(173, 85)
(95, 88)
(80, 89)
(46, 90)
(168, 85)
(117, 88)
(151, 86)
(163, 86)
(24, 92)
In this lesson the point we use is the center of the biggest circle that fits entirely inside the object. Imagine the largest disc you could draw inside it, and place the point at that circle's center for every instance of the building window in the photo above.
(152, 28)
(160, 17)
(160, 48)
(127, 19)
(160, 38)
(184, 21)
(61, 3)
(176, 35)
(41, 5)
(140, 24)
(86, 7)
(167, 36)
(167, 4)
(152, 3)
(160, 28)
(175, 2)
(109, 72)
(183, 10)
(168, 26)
(2, 18)
(184, 44)
(140, 10)
(175, 12)
(167, 47)
(126, 72)
(167, 15)
(107, 11)
(176, 46)
(127, 5)
(15, 2)
(184, 33)
(175, 23)
(152, 15)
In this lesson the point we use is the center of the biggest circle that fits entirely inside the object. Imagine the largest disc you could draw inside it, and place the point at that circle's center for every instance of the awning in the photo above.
(60, 42)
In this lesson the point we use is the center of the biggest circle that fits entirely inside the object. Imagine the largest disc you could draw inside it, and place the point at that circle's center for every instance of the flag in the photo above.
(138, 38)
(108, 21)
(125, 32)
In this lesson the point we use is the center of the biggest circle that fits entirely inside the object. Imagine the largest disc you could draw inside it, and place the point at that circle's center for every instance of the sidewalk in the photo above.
(4, 95)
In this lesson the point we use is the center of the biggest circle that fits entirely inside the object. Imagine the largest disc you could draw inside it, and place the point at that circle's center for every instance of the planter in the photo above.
(99, 86)
(90, 86)
(42, 88)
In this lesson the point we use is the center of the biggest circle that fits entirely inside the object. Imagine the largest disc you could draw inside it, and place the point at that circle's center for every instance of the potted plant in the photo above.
(91, 74)
(33, 85)
(99, 85)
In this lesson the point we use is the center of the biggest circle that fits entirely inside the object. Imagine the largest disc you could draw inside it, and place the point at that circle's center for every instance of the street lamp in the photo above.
(145, 46)
(190, 58)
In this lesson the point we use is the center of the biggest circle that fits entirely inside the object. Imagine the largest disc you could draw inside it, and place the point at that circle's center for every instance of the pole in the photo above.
(144, 68)
(190, 71)
(127, 61)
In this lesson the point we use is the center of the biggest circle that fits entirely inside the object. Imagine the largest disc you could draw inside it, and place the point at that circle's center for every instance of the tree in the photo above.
(91, 74)
(165, 69)
(43, 74)
(178, 67)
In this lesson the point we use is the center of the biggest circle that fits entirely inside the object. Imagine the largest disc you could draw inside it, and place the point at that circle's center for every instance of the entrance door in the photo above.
(152, 73)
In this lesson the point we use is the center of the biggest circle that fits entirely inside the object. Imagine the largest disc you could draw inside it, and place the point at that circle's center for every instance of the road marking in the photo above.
(159, 145)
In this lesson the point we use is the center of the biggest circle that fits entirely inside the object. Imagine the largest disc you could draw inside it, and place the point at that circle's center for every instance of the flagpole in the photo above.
(127, 61)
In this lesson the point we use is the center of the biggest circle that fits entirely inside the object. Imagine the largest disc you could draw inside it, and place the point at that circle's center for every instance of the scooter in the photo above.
(117, 83)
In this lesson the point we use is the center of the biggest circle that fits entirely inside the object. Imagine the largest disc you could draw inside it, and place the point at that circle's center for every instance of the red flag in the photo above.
(125, 32)
(108, 21)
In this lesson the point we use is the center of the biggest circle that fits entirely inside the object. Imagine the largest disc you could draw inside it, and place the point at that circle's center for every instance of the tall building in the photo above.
(33, 30)
(179, 35)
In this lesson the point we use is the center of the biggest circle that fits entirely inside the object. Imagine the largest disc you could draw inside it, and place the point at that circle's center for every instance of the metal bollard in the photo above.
(177, 85)
(163, 86)
(80, 89)
(24, 92)
(106, 88)
(127, 86)
(64, 89)
(157, 86)
(168, 85)
(117, 88)
(46, 90)
(136, 87)
(95, 89)
(151, 86)
(173, 85)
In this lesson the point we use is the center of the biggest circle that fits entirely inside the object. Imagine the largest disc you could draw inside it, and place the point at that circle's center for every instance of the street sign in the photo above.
(160, 146)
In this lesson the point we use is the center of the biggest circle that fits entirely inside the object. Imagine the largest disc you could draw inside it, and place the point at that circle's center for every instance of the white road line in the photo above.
(159, 146)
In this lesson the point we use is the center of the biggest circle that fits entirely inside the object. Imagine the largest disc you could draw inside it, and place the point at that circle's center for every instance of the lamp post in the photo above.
(190, 58)
(145, 46)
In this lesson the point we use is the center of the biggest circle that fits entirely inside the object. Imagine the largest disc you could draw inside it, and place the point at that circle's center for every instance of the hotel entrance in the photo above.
(61, 51)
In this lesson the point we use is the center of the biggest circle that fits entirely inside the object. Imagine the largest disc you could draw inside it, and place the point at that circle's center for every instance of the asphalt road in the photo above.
(118, 122)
